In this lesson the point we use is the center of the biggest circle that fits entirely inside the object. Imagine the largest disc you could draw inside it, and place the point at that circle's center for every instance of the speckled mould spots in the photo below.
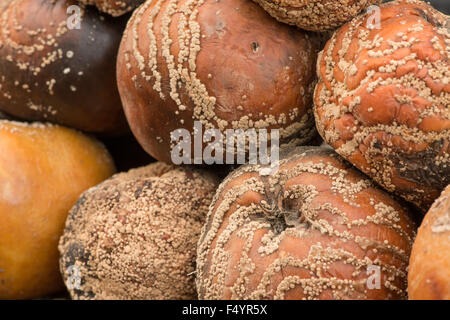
(115, 8)
(313, 230)
(134, 236)
(50, 72)
(316, 15)
(383, 99)
(227, 64)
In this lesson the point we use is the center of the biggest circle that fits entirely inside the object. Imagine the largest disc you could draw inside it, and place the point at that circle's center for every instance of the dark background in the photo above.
(441, 5)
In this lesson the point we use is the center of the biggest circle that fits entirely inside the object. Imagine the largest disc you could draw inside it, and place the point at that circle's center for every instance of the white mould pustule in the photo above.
(316, 15)
(206, 61)
(51, 70)
(115, 8)
(383, 98)
(312, 230)
(133, 237)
